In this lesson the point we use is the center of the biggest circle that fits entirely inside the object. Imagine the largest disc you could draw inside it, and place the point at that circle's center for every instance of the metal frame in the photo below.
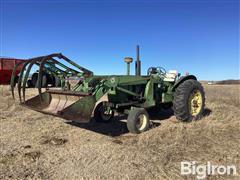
(47, 63)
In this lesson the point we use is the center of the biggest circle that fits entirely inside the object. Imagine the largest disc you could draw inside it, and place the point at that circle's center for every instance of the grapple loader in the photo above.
(100, 96)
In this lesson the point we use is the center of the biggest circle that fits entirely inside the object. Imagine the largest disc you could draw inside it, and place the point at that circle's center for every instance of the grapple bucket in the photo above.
(70, 105)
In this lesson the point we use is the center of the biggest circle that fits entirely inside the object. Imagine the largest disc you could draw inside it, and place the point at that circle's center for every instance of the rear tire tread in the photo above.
(181, 96)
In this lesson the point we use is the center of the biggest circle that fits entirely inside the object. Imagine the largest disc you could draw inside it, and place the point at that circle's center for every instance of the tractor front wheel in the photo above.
(138, 121)
(189, 101)
(102, 114)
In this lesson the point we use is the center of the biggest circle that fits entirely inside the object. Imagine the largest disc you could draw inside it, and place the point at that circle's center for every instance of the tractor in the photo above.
(103, 96)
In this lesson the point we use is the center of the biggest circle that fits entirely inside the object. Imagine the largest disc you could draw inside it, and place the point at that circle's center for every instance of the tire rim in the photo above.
(141, 122)
(195, 102)
(105, 114)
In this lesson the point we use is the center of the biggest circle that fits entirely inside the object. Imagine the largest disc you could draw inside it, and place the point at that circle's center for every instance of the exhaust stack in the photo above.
(138, 63)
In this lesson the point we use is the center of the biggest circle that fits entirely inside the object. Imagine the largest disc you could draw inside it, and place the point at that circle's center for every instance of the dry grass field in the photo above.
(37, 146)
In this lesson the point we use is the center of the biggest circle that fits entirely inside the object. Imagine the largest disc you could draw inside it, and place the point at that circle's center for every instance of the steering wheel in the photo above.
(161, 71)
(156, 70)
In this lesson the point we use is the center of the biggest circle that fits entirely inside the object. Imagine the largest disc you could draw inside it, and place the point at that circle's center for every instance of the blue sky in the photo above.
(200, 37)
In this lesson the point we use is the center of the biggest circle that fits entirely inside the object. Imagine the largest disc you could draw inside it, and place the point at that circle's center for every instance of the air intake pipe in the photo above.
(128, 61)
(138, 63)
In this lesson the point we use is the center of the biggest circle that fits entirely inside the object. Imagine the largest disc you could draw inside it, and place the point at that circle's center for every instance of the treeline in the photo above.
(229, 81)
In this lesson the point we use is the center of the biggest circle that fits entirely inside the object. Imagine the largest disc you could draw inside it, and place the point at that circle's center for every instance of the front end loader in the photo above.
(100, 96)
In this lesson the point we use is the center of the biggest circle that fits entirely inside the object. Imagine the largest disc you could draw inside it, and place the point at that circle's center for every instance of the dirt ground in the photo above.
(37, 146)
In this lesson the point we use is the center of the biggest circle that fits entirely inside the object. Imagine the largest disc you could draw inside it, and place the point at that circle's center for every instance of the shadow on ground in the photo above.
(207, 112)
(118, 125)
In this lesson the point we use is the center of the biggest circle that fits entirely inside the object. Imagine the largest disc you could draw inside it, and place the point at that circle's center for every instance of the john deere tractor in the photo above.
(103, 96)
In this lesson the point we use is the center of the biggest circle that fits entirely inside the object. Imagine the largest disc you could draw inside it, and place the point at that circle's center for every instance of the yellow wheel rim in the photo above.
(141, 122)
(195, 102)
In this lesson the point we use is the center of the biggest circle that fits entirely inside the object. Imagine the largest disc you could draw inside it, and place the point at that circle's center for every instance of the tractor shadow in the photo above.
(118, 125)
(159, 116)
(207, 112)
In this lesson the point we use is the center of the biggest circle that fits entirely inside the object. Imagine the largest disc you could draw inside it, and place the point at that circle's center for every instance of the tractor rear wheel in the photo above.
(44, 81)
(34, 79)
(138, 121)
(57, 82)
(29, 83)
(101, 113)
(189, 101)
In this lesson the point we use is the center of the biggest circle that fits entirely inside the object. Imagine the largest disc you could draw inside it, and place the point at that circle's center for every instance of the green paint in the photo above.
(124, 91)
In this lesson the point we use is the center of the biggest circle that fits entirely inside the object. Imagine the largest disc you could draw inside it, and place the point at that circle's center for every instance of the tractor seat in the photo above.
(171, 76)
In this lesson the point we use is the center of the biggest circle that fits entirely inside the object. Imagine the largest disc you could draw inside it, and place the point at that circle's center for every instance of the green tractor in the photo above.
(102, 96)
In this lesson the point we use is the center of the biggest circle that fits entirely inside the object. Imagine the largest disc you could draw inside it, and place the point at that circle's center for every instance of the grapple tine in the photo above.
(31, 63)
(14, 76)
(55, 61)
(20, 79)
(26, 77)
(88, 72)
(39, 82)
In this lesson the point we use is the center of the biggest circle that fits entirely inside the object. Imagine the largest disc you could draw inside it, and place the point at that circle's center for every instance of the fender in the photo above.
(182, 79)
